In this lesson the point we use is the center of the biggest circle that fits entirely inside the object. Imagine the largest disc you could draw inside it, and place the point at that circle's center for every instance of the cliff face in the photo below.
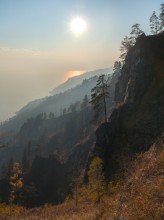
(138, 118)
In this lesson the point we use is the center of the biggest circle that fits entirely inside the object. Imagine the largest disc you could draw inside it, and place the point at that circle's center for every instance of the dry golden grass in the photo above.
(66, 211)
(61, 212)
(141, 197)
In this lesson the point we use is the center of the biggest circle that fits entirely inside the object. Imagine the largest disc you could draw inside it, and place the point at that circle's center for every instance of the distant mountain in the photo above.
(31, 105)
(69, 93)
(63, 134)
(67, 85)
(76, 80)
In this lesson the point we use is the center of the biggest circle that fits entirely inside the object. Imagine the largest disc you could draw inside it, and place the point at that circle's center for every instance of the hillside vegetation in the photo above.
(138, 196)
(103, 156)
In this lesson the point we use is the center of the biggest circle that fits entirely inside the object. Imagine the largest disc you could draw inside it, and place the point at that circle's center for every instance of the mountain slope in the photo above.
(137, 120)
(139, 196)
(67, 85)
(66, 135)
(76, 80)
(142, 195)
(136, 123)
(55, 103)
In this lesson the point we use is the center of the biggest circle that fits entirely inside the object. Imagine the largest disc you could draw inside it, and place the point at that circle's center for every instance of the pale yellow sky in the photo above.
(26, 75)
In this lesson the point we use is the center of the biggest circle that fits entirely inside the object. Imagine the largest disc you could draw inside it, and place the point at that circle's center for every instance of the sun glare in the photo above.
(73, 73)
(78, 26)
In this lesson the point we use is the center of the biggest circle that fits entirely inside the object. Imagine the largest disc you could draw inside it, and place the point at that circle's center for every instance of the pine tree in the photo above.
(10, 167)
(51, 115)
(135, 33)
(126, 44)
(96, 179)
(64, 111)
(99, 94)
(117, 68)
(73, 107)
(16, 183)
(84, 102)
(29, 195)
(26, 160)
(154, 23)
(5, 171)
(161, 18)
(44, 115)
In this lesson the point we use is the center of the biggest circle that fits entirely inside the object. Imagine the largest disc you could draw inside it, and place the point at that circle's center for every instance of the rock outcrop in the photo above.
(138, 118)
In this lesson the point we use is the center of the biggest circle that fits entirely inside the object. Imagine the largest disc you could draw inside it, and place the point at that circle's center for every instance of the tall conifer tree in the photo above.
(154, 23)
(99, 95)
(161, 18)
(96, 179)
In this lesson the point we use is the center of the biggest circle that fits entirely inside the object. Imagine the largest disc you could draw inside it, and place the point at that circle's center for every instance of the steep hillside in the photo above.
(142, 195)
(138, 118)
(130, 145)
(56, 104)
(76, 80)
(46, 136)
(56, 149)
(138, 196)
(49, 130)
(67, 85)
(64, 142)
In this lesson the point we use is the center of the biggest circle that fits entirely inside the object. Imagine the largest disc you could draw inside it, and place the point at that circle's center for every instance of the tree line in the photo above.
(156, 26)
(100, 93)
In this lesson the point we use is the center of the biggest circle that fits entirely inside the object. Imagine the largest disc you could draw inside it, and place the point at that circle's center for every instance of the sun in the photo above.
(78, 26)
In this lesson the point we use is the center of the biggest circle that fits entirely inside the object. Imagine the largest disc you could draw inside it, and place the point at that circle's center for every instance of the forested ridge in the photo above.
(102, 156)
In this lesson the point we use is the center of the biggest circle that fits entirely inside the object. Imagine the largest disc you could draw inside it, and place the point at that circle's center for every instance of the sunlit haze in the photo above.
(74, 73)
(39, 48)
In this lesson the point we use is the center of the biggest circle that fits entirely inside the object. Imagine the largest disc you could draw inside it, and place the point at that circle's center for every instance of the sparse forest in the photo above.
(99, 156)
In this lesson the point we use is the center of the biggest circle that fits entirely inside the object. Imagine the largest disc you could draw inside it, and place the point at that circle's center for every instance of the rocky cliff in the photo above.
(138, 118)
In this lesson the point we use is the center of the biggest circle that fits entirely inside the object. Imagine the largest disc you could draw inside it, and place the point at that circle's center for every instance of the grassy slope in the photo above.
(140, 196)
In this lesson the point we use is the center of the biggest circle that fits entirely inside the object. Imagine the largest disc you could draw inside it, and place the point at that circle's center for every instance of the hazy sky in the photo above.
(38, 51)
